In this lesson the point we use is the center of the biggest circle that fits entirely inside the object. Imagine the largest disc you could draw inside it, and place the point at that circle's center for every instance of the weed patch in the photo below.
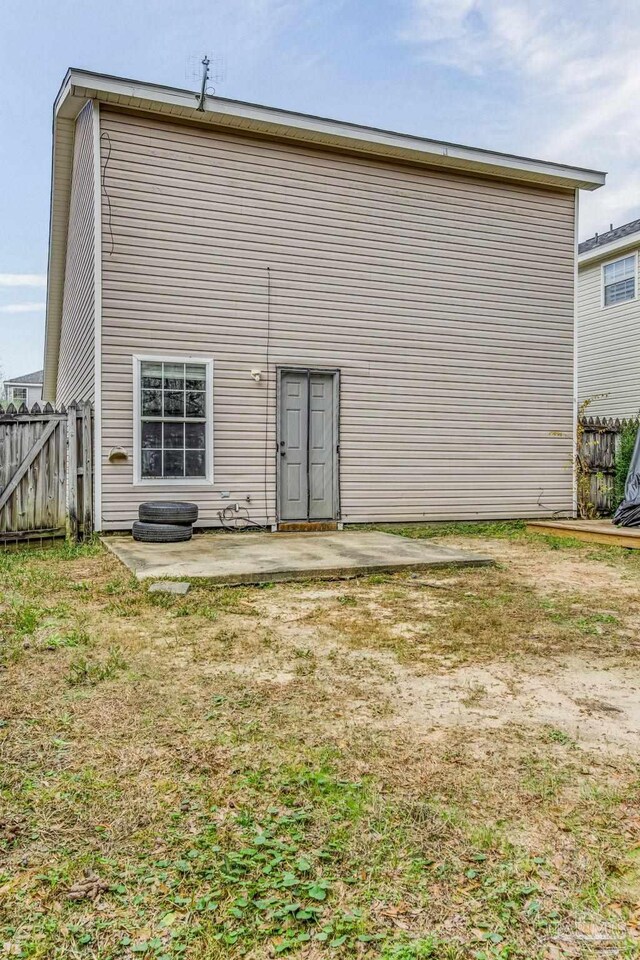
(91, 672)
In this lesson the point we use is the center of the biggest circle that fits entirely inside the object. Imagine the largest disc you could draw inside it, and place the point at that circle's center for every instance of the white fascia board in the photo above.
(271, 121)
(608, 250)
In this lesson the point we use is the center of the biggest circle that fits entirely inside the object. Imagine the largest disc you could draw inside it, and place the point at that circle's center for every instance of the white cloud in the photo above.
(23, 280)
(22, 307)
(576, 70)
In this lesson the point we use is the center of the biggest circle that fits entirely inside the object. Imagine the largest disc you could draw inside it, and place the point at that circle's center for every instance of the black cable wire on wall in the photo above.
(105, 136)
(228, 516)
(268, 397)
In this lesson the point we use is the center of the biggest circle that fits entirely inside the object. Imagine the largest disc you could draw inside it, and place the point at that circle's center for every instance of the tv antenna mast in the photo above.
(205, 71)
(205, 76)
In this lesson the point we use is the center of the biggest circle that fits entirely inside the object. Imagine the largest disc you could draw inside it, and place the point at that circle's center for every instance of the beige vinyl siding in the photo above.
(608, 346)
(76, 365)
(446, 302)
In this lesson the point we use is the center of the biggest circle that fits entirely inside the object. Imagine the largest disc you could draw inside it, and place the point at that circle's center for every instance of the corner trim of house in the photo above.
(575, 354)
(97, 308)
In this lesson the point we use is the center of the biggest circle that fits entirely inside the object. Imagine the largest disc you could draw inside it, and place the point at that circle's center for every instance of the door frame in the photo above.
(334, 373)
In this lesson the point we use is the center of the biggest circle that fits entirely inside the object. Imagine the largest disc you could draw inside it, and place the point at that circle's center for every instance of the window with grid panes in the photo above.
(18, 395)
(619, 281)
(173, 414)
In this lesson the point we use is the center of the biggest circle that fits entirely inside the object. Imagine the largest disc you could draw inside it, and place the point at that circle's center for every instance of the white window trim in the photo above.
(607, 263)
(138, 480)
(22, 399)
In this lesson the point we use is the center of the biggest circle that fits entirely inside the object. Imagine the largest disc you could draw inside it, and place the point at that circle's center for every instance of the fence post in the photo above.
(72, 473)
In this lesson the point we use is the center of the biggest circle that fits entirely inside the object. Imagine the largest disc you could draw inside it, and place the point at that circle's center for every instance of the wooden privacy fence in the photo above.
(46, 472)
(598, 445)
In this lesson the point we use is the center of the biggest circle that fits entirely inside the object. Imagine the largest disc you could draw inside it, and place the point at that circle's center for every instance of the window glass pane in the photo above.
(174, 434)
(196, 376)
(620, 270)
(619, 292)
(151, 374)
(151, 403)
(196, 406)
(195, 463)
(173, 403)
(152, 463)
(174, 376)
(195, 435)
(173, 428)
(174, 463)
(151, 435)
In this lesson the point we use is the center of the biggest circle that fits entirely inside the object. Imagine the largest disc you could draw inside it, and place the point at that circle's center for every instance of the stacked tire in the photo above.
(161, 521)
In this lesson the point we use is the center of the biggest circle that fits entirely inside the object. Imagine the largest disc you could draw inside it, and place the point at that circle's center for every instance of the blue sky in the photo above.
(556, 80)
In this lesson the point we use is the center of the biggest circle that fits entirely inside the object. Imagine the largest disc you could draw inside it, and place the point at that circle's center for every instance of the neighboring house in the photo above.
(26, 389)
(609, 322)
(305, 317)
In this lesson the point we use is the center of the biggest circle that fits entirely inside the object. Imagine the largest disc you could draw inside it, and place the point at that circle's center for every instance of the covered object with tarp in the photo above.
(628, 513)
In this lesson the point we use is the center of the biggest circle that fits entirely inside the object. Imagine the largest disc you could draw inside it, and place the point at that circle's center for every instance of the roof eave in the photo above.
(22, 383)
(270, 121)
(609, 249)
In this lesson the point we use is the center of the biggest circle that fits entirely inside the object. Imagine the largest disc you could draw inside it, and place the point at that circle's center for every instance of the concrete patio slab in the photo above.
(229, 558)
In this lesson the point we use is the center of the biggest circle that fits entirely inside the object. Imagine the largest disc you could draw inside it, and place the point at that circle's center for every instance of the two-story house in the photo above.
(609, 322)
(310, 318)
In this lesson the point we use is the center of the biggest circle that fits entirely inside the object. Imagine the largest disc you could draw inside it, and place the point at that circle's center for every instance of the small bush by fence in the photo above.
(604, 452)
(46, 472)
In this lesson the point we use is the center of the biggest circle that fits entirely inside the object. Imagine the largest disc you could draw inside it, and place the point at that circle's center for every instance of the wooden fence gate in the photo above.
(46, 472)
(597, 451)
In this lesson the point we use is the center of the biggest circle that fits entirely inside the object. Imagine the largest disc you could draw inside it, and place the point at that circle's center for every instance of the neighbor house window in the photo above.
(619, 279)
(18, 394)
(174, 420)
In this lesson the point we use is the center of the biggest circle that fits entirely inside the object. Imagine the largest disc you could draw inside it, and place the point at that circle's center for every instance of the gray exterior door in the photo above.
(308, 446)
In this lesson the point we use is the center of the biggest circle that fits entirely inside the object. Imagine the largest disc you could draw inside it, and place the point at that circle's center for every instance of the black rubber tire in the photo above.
(160, 532)
(158, 511)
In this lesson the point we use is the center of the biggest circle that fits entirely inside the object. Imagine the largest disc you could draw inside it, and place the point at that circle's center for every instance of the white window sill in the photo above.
(173, 482)
(620, 303)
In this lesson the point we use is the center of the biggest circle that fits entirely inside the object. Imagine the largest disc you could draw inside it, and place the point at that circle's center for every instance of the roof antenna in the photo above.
(204, 72)
(203, 88)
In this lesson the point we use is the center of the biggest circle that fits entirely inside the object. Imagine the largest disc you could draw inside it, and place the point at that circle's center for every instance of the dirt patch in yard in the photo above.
(552, 564)
(593, 707)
